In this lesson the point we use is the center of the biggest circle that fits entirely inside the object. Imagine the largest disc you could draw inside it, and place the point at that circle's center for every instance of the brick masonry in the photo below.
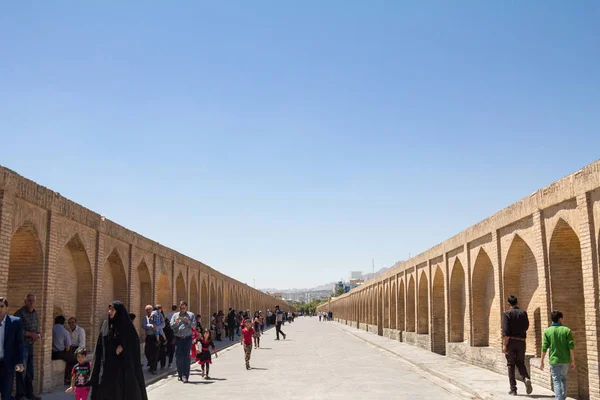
(76, 262)
(450, 299)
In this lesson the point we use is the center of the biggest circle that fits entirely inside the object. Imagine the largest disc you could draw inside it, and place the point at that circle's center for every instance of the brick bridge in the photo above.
(450, 299)
(76, 262)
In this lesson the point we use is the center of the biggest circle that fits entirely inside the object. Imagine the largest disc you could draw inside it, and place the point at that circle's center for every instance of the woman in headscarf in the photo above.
(117, 368)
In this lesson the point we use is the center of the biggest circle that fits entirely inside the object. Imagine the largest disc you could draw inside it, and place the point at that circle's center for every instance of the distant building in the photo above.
(278, 296)
(355, 275)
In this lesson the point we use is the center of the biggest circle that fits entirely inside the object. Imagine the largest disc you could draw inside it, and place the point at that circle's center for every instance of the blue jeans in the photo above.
(25, 378)
(182, 356)
(559, 378)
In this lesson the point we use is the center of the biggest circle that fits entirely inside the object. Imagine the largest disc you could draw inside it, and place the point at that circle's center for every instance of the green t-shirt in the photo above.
(559, 340)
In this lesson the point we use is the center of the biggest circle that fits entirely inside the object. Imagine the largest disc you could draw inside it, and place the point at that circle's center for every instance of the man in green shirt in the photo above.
(559, 340)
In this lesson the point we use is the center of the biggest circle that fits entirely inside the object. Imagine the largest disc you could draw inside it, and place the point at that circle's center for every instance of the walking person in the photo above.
(559, 339)
(151, 347)
(12, 353)
(247, 335)
(232, 324)
(278, 322)
(167, 350)
(204, 346)
(117, 366)
(29, 318)
(514, 335)
(256, 336)
(182, 324)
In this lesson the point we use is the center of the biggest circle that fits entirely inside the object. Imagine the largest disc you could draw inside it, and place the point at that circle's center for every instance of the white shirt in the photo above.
(2, 330)
(77, 337)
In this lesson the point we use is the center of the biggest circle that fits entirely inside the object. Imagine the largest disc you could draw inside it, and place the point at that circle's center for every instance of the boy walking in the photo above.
(247, 334)
(559, 340)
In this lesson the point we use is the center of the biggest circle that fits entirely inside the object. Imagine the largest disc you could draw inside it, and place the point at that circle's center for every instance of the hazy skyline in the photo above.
(292, 144)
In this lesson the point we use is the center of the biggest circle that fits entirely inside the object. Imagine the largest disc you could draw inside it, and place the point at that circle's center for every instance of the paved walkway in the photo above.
(316, 361)
(327, 360)
(59, 394)
(478, 382)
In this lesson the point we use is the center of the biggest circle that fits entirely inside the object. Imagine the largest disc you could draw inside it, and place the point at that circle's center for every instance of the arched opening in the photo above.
(386, 309)
(220, 299)
(438, 310)
(401, 308)
(194, 298)
(521, 280)
(204, 304)
(393, 308)
(410, 305)
(75, 277)
(457, 303)
(567, 290)
(114, 283)
(483, 297)
(145, 296)
(379, 305)
(180, 292)
(423, 326)
(213, 299)
(163, 292)
(25, 275)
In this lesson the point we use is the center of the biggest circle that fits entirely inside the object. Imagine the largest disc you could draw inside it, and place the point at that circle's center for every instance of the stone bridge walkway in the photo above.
(327, 360)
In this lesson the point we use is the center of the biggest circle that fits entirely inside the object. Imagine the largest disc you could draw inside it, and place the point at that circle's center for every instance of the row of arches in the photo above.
(73, 290)
(418, 302)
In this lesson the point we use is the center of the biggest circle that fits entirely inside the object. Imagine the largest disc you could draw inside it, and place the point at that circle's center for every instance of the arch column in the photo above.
(589, 266)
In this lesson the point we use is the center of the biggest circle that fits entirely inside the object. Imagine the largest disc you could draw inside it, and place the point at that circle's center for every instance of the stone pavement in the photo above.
(316, 361)
(478, 382)
(59, 394)
(327, 360)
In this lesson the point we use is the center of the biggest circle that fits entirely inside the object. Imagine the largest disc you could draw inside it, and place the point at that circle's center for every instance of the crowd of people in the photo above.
(116, 371)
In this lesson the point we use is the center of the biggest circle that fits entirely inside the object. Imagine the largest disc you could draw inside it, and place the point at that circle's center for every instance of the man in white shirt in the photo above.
(77, 335)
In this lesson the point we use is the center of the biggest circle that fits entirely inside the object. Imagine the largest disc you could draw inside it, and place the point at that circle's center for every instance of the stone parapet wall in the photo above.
(450, 299)
(76, 262)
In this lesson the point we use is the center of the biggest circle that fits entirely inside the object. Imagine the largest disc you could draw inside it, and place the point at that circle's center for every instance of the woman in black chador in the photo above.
(117, 367)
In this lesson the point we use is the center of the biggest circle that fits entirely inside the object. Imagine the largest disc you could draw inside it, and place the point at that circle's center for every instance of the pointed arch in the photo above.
(204, 306)
(145, 292)
(386, 308)
(483, 296)
(163, 292)
(401, 308)
(394, 307)
(521, 280)
(74, 270)
(423, 323)
(194, 298)
(180, 292)
(25, 264)
(213, 299)
(410, 305)
(457, 303)
(438, 311)
(114, 284)
(567, 288)
(220, 298)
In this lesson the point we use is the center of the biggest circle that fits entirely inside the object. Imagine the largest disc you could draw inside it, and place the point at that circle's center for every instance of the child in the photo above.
(203, 346)
(194, 347)
(256, 322)
(247, 334)
(80, 376)
(157, 319)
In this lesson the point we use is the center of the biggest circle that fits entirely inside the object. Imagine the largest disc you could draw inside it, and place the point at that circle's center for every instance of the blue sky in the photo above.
(292, 142)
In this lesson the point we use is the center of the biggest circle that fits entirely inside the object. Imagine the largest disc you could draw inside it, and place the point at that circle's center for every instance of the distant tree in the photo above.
(339, 291)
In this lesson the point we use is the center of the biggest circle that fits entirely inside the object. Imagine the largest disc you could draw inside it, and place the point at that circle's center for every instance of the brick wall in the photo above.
(543, 249)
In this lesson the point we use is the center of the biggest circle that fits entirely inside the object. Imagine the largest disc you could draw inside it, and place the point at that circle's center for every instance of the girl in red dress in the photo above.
(204, 345)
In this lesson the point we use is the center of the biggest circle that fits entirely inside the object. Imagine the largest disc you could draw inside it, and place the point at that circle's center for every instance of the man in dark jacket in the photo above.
(514, 334)
(11, 349)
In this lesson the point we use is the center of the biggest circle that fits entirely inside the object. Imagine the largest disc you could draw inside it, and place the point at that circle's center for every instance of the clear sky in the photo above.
(293, 141)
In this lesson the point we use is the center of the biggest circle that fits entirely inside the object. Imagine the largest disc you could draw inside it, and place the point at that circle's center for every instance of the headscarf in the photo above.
(122, 326)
